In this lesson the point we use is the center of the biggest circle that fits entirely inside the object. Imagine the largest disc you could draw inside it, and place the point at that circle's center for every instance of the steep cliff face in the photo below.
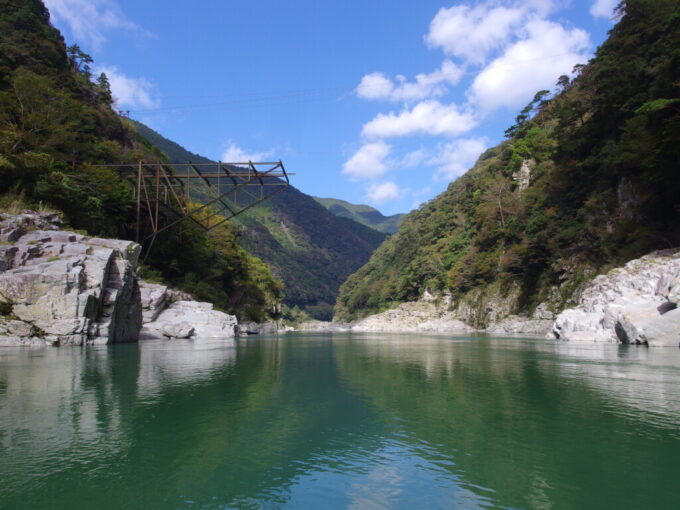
(60, 287)
(587, 184)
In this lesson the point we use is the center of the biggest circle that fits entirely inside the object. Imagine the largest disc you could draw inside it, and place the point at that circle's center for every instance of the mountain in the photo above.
(364, 214)
(585, 181)
(311, 250)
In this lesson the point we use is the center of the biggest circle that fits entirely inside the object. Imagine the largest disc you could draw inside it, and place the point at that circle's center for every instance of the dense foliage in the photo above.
(603, 159)
(364, 214)
(310, 250)
(57, 124)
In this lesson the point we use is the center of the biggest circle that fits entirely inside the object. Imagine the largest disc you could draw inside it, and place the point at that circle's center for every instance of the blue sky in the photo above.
(373, 101)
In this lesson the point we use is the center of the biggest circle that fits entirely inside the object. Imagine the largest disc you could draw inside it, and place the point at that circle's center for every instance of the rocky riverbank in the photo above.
(64, 288)
(635, 304)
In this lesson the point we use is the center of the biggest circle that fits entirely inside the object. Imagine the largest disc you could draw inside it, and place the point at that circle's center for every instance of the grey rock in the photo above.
(154, 299)
(68, 288)
(523, 175)
(674, 294)
(264, 328)
(516, 325)
(168, 329)
(419, 316)
(322, 326)
(14, 328)
(634, 304)
(206, 322)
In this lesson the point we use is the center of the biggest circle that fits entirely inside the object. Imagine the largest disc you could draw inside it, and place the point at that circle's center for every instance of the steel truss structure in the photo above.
(206, 193)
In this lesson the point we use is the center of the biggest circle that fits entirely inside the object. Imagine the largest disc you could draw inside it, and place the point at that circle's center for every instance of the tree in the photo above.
(537, 102)
(79, 60)
(563, 82)
(104, 87)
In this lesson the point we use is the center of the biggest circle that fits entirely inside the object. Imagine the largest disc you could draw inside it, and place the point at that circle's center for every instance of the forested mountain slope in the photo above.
(57, 124)
(364, 214)
(309, 249)
(590, 181)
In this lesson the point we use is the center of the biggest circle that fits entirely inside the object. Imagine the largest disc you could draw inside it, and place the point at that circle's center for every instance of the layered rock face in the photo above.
(59, 287)
(637, 303)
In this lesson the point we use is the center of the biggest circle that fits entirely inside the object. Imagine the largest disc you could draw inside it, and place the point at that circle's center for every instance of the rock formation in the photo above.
(523, 176)
(59, 287)
(64, 288)
(165, 317)
(637, 303)
(423, 316)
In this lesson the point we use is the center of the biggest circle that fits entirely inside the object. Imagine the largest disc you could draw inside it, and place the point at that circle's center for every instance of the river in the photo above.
(340, 421)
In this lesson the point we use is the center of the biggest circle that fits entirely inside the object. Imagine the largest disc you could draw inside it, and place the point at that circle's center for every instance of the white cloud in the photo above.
(235, 154)
(368, 162)
(381, 193)
(90, 19)
(414, 158)
(455, 158)
(129, 92)
(427, 117)
(472, 33)
(529, 65)
(375, 86)
(434, 84)
(604, 8)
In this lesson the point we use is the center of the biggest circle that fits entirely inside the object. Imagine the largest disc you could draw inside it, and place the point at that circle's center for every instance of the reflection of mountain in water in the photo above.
(351, 420)
(518, 417)
(182, 420)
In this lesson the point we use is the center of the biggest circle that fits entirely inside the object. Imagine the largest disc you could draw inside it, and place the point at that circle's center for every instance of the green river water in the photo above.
(340, 421)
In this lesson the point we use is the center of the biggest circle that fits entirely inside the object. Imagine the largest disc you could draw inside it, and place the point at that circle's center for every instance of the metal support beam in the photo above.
(224, 185)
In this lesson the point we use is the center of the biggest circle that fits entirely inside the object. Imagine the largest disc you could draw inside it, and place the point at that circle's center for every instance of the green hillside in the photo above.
(57, 124)
(601, 163)
(364, 214)
(309, 249)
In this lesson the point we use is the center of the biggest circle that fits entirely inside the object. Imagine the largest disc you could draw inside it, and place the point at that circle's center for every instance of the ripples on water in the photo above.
(342, 421)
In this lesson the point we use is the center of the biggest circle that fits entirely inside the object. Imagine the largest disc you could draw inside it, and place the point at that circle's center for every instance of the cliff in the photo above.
(60, 287)
(63, 288)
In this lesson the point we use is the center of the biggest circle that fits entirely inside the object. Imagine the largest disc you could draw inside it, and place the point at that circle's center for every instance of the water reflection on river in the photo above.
(340, 421)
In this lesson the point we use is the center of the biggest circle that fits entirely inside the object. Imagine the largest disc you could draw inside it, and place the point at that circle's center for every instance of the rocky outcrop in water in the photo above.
(634, 304)
(264, 328)
(64, 288)
(59, 287)
(184, 319)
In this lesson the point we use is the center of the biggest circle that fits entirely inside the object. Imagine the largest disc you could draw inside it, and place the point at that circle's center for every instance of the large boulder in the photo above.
(183, 319)
(66, 288)
(635, 304)
(261, 328)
